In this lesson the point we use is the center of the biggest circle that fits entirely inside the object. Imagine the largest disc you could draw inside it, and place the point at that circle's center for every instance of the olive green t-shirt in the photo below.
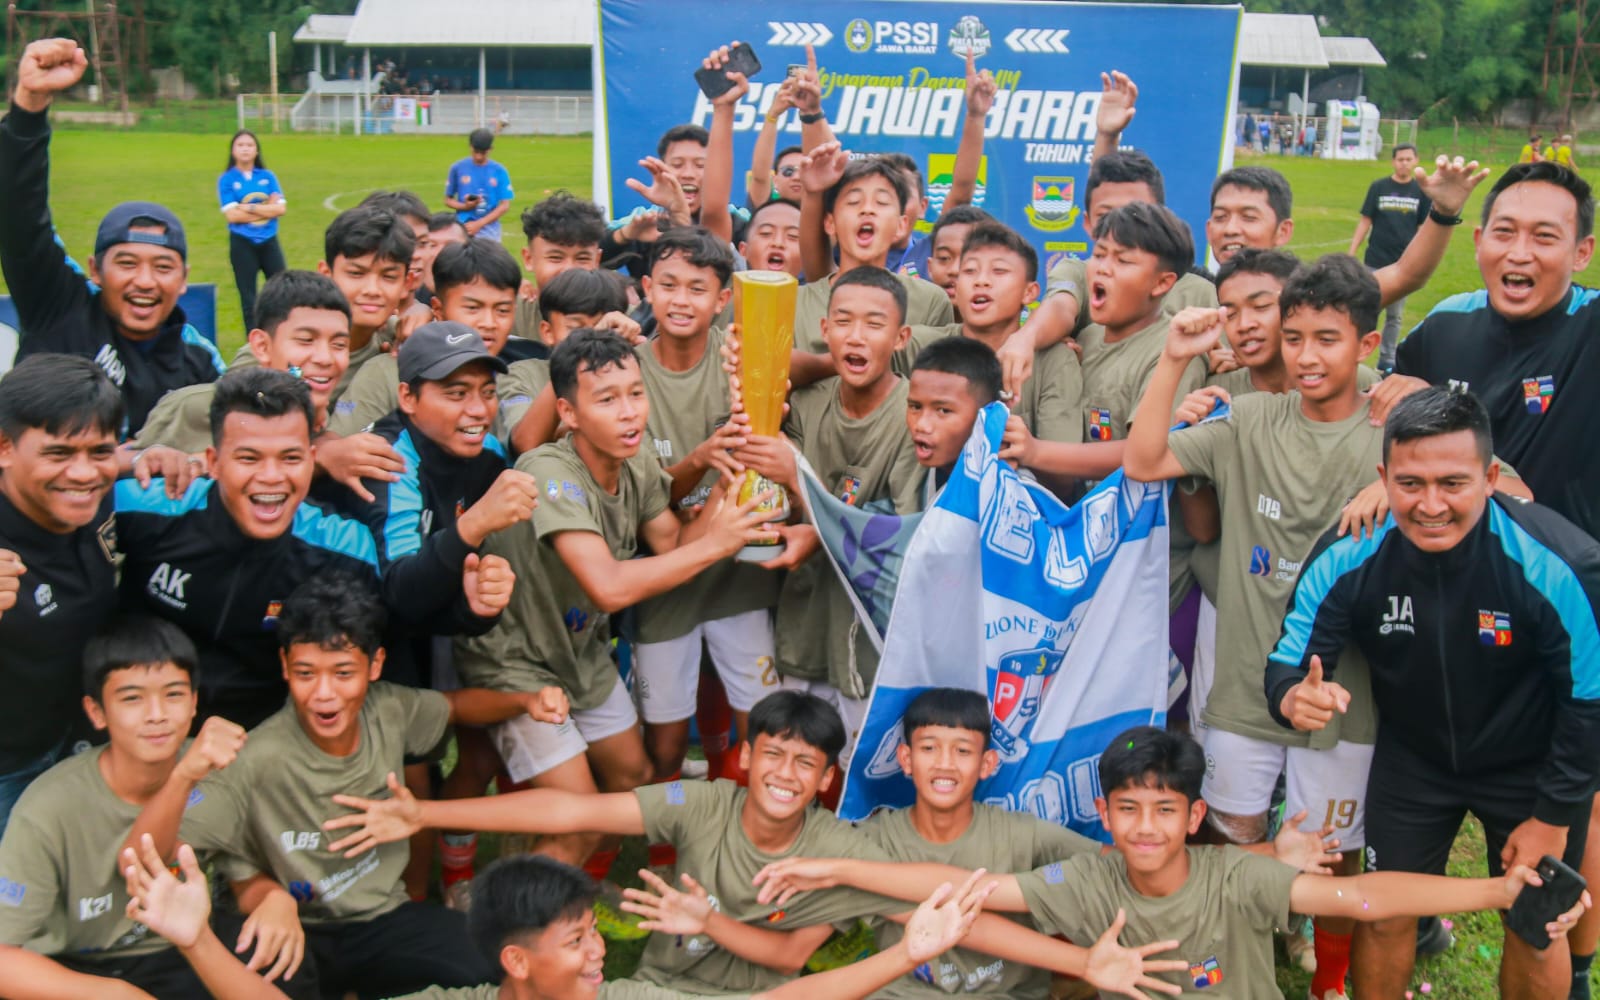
(181, 419)
(552, 633)
(1205, 559)
(1114, 380)
(926, 305)
(1222, 916)
(685, 408)
(701, 820)
(1050, 401)
(996, 840)
(269, 805)
(517, 389)
(862, 461)
(243, 358)
(1071, 275)
(61, 886)
(525, 324)
(616, 989)
(1281, 480)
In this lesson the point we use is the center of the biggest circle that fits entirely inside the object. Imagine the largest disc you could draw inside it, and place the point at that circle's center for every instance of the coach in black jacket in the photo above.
(1477, 616)
(131, 325)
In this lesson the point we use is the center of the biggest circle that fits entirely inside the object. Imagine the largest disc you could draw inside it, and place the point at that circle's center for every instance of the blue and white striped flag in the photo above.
(1057, 614)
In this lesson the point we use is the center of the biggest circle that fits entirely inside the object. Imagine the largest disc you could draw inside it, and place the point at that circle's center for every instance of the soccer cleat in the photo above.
(611, 922)
(1432, 937)
(696, 770)
(844, 949)
(1330, 995)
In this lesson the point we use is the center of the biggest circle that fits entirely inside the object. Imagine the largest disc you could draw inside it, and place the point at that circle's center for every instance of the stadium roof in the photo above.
(325, 28)
(472, 23)
(1352, 51)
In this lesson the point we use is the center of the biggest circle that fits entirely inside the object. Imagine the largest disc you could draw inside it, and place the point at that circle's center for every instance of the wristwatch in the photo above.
(1442, 219)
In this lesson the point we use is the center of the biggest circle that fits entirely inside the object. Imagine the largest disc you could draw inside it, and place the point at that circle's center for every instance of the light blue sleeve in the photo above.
(224, 192)
(506, 194)
(450, 189)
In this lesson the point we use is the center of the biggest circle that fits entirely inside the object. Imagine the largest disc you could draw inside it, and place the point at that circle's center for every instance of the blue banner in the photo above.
(1063, 628)
(893, 78)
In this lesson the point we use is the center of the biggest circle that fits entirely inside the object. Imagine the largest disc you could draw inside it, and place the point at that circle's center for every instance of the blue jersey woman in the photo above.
(252, 200)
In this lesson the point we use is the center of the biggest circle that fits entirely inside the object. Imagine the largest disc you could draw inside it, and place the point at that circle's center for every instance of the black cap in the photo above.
(115, 228)
(481, 138)
(434, 350)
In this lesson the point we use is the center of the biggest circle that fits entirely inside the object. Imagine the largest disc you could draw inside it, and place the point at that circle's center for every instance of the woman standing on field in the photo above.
(252, 200)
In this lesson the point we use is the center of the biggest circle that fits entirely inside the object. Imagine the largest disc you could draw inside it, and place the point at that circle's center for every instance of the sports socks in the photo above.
(1580, 976)
(1333, 962)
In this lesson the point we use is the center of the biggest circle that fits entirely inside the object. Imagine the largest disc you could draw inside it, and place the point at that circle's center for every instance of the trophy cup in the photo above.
(763, 307)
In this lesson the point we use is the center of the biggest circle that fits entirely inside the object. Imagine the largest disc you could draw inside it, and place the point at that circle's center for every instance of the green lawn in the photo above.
(323, 175)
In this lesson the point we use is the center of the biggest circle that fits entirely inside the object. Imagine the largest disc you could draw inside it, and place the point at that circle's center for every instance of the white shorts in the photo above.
(1330, 785)
(1205, 668)
(666, 675)
(531, 748)
(852, 710)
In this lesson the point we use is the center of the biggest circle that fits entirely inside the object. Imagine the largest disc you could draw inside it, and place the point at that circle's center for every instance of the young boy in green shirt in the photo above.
(725, 834)
(302, 326)
(951, 380)
(564, 232)
(475, 282)
(59, 898)
(342, 731)
(1220, 903)
(572, 300)
(727, 608)
(995, 281)
(861, 204)
(852, 430)
(602, 501)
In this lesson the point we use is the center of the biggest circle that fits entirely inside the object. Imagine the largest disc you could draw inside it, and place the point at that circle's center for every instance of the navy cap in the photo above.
(115, 228)
(434, 350)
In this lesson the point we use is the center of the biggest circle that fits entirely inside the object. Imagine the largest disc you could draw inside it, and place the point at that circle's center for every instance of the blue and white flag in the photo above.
(1058, 615)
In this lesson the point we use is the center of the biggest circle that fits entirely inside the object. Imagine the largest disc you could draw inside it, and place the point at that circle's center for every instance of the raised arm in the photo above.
(758, 188)
(1118, 95)
(537, 810)
(1448, 188)
(1148, 457)
(44, 285)
(969, 153)
(215, 748)
(717, 184)
(816, 254)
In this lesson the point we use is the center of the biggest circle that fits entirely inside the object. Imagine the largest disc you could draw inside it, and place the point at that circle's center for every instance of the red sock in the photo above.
(830, 797)
(714, 717)
(662, 856)
(599, 864)
(457, 852)
(1333, 962)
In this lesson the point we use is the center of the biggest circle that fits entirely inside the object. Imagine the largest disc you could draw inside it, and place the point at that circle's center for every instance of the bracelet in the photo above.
(773, 117)
(1442, 219)
(812, 119)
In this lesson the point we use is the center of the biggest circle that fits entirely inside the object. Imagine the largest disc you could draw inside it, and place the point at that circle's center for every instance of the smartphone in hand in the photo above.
(1537, 905)
(741, 59)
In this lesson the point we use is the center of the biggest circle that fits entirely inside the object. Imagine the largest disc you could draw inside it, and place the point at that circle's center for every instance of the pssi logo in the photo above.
(1019, 687)
(908, 37)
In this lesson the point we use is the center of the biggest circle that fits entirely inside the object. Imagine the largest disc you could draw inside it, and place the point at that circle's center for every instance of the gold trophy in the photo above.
(763, 307)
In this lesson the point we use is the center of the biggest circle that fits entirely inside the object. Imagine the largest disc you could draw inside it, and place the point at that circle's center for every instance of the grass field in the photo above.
(93, 169)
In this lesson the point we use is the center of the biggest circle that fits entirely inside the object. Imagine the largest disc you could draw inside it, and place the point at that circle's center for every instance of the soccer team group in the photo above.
(246, 608)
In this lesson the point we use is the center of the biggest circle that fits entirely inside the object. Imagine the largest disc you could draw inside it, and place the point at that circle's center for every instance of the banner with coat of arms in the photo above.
(1063, 627)
(893, 79)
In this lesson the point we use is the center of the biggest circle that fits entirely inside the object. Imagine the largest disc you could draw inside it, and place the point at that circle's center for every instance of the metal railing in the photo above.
(382, 114)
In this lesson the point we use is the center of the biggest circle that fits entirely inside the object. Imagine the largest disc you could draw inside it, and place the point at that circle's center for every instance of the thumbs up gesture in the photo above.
(1310, 704)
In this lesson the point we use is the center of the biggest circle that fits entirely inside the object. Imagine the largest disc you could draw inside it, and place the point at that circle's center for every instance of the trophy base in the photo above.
(759, 553)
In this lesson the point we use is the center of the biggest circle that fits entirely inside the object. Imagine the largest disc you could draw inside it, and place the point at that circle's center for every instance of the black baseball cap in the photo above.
(481, 138)
(434, 350)
(115, 228)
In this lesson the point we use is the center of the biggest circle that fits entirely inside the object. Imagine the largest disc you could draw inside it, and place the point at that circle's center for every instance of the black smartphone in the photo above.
(741, 59)
(1536, 906)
